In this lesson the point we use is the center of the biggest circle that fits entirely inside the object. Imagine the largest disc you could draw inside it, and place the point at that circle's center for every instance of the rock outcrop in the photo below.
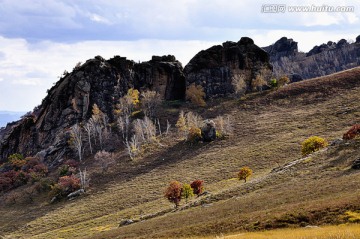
(216, 68)
(284, 47)
(70, 100)
(319, 61)
(357, 39)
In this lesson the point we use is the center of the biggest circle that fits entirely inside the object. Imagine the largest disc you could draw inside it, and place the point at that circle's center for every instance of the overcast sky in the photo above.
(39, 39)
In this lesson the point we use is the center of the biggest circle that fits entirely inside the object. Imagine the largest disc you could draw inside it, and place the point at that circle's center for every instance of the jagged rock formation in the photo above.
(321, 60)
(70, 101)
(284, 47)
(216, 68)
(45, 132)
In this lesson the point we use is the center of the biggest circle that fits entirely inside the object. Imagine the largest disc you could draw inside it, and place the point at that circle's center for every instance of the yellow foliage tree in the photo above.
(244, 173)
(196, 94)
(312, 144)
(134, 95)
(181, 124)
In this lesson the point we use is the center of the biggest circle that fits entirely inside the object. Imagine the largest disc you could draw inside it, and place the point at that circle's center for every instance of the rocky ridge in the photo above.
(45, 132)
(70, 100)
(319, 61)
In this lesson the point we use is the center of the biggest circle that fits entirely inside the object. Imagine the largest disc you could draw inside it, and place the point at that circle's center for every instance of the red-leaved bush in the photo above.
(197, 186)
(69, 184)
(353, 132)
(173, 192)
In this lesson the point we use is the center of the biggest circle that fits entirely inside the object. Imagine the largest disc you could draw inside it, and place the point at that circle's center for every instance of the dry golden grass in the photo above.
(328, 232)
(319, 189)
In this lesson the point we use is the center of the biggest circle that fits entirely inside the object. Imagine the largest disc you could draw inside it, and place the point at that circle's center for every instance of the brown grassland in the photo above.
(285, 190)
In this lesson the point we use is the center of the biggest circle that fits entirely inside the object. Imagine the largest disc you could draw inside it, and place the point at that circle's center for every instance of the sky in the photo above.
(39, 39)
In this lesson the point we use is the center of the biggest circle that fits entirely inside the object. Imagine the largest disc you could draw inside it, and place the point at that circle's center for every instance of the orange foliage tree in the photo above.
(198, 187)
(353, 132)
(173, 192)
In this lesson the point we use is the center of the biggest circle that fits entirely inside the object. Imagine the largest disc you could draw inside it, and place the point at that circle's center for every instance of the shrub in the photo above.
(69, 184)
(198, 187)
(273, 83)
(17, 161)
(258, 83)
(173, 193)
(283, 81)
(187, 191)
(244, 173)
(312, 144)
(194, 134)
(353, 132)
(5, 183)
(239, 84)
(196, 94)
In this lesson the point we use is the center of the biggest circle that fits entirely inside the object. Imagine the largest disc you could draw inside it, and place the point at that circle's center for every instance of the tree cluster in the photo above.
(177, 191)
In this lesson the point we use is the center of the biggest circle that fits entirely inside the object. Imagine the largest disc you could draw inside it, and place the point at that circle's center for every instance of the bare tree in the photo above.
(133, 147)
(239, 84)
(84, 180)
(149, 129)
(139, 130)
(105, 159)
(89, 129)
(168, 126)
(224, 125)
(150, 102)
(194, 120)
(76, 138)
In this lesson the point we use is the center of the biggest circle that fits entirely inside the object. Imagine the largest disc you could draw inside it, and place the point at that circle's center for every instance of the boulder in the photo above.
(76, 194)
(356, 164)
(208, 132)
(295, 78)
(126, 222)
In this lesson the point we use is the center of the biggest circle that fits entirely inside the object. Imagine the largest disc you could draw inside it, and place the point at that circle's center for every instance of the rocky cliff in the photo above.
(321, 60)
(216, 68)
(71, 99)
(45, 131)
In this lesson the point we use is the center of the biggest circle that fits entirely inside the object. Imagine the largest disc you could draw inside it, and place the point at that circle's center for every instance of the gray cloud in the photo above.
(71, 21)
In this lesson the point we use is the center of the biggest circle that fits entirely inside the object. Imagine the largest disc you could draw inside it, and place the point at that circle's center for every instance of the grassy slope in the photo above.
(269, 128)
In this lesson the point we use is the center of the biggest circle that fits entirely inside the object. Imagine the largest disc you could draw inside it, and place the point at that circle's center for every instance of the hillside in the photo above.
(285, 190)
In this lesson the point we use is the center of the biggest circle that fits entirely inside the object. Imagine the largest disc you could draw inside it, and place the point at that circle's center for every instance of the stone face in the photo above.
(282, 47)
(97, 81)
(162, 74)
(215, 68)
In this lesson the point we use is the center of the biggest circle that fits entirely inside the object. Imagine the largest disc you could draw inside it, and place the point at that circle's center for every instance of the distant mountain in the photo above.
(322, 60)
(9, 116)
